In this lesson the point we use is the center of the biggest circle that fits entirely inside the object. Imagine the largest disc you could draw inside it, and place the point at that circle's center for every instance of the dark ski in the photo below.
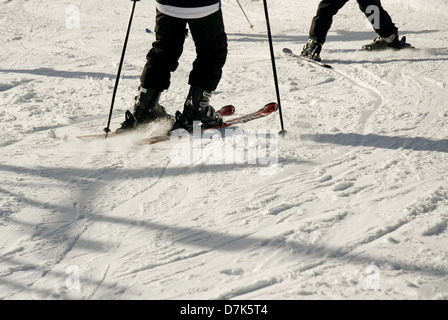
(295, 55)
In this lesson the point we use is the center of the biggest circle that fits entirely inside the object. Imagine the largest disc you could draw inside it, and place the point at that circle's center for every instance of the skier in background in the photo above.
(321, 24)
(205, 21)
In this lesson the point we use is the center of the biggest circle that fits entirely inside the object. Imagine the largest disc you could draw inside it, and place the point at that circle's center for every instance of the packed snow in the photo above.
(352, 203)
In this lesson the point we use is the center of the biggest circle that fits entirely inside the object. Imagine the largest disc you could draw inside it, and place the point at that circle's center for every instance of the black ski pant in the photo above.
(321, 23)
(211, 51)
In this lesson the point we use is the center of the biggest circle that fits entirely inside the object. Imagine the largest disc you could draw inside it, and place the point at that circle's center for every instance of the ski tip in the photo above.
(270, 107)
(227, 110)
(287, 50)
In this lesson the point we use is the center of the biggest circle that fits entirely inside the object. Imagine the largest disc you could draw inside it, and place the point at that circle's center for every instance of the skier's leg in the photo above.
(166, 50)
(323, 19)
(161, 60)
(320, 25)
(211, 52)
(383, 26)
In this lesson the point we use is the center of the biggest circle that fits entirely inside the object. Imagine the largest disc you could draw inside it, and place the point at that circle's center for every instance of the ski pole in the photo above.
(251, 25)
(283, 131)
(107, 130)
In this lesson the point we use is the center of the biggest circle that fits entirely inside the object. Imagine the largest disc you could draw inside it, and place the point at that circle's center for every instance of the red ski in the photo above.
(263, 112)
(224, 111)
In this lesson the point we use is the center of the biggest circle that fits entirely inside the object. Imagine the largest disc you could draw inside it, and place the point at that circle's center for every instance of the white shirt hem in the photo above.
(188, 13)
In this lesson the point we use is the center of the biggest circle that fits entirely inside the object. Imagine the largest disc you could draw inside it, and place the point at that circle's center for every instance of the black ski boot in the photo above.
(312, 50)
(146, 109)
(391, 42)
(197, 108)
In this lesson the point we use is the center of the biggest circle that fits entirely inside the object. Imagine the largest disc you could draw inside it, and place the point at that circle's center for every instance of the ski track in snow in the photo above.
(360, 184)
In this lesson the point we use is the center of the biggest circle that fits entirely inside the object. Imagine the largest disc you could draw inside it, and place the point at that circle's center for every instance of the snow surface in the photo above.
(351, 204)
